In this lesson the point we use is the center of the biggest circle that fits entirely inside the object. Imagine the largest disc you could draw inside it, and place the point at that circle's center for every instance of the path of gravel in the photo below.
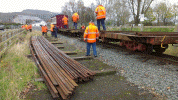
(149, 75)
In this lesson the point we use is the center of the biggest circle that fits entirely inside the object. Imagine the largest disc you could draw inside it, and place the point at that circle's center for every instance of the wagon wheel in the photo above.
(149, 48)
(159, 49)
(105, 40)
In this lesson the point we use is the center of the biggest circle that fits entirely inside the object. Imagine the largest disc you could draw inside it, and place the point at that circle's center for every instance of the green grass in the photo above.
(172, 50)
(16, 71)
(145, 29)
(159, 30)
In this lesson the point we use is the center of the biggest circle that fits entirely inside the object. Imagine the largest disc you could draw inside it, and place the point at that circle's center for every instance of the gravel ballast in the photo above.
(151, 75)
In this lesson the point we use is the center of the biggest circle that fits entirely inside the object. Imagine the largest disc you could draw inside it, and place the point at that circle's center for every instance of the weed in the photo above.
(77, 50)
(92, 66)
(25, 32)
(17, 70)
(172, 50)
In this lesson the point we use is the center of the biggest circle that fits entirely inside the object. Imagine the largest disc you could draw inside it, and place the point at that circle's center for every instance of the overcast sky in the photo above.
(49, 5)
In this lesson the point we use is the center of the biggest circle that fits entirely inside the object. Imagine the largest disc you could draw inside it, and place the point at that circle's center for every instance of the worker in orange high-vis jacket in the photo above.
(44, 30)
(75, 18)
(26, 27)
(52, 31)
(101, 16)
(65, 21)
(83, 27)
(30, 27)
(91, 34)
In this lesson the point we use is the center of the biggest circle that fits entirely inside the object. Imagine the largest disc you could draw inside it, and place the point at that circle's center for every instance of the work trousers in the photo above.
(44, 33)
(52, 33)
(55, 34)
(94, 48)
(102, 23)
(65, 26)
(75, 25)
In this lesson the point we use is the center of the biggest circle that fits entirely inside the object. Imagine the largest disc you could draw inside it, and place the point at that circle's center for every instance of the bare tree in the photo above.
(139, 7)
(174, 10)
(150, 17)
(85, 13)
(163, 13)
(122, 12)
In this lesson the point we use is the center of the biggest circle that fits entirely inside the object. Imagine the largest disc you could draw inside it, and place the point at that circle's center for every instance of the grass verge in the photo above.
(144, 30)
(172, 50)
(17, 71)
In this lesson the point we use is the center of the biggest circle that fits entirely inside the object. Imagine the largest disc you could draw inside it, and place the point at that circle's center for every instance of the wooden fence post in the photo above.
(0, 42)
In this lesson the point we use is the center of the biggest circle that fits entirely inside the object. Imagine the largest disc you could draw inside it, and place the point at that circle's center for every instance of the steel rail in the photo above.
(48, 82)
(75, 67)
(57, 60)
(70, 68)
(62, 73)
(50, 68)
(43, 64)
(65, 67)
(70, 59)
(58, 70)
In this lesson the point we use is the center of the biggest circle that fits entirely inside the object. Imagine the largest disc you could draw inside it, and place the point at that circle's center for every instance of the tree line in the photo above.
(121, 12)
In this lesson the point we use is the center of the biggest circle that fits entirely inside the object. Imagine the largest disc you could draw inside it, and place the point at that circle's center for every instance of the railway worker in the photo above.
(65, 21)
(75, 18)
(91, 34)
(55, 31)
(44, 30)
(83, 27)
(52, 31)
(101, 16)
(23, 26)
(26, 27)
(30, 27)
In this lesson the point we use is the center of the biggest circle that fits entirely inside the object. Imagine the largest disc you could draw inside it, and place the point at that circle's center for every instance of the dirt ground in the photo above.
(105, 87)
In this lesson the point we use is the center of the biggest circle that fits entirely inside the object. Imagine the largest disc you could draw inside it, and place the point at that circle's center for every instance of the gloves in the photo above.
(84, 40)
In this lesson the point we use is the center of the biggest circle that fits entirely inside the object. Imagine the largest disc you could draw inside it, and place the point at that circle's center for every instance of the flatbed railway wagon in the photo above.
(72, 32)
(58, 20)
(141, 41)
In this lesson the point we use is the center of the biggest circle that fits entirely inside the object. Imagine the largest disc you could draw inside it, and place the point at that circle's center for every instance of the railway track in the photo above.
(135, 41)
(153, 70)
(144, 57)
(163, 58)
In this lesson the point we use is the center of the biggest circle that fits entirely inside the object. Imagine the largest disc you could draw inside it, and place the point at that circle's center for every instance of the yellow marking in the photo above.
(162, 41)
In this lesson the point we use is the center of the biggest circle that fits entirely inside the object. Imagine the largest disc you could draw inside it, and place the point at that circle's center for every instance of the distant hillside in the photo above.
(28, 11)
(45, 15)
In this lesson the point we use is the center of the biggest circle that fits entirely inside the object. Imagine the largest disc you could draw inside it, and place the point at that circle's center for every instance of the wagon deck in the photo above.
(154, 38)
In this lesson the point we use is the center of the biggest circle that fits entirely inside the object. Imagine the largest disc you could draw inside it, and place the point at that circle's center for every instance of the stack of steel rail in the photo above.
(59, 71)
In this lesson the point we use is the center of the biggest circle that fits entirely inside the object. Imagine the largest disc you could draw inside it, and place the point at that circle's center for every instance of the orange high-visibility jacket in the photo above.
(44, 28)
(23, 26)
(83, 27)
(30, 26)
(52, 26)
(91, 33)
(26, 27)
(101, 12)
(75, 17)
(65, 20)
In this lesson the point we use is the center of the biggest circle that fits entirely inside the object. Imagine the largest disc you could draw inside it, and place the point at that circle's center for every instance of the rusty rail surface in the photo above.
(59, 71)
